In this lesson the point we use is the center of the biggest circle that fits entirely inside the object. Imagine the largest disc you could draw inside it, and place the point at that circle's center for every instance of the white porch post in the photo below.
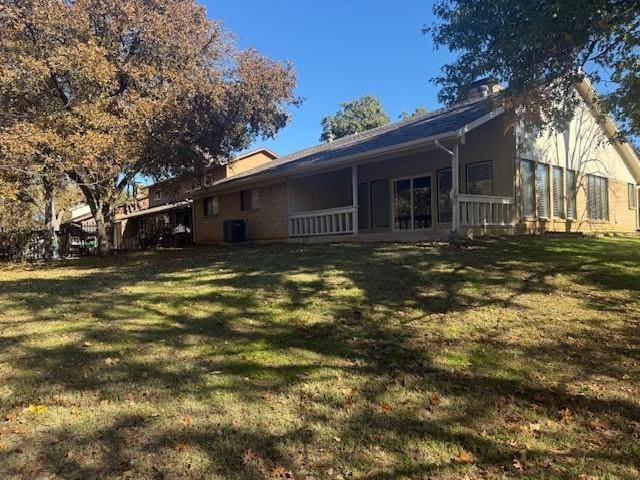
(354, 194)
(455, 185)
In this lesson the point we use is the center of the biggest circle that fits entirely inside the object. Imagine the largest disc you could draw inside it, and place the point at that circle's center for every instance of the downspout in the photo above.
(455, 180)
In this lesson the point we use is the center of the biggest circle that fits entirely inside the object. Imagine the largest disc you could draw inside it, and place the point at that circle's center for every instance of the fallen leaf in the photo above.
(182, 446)
(464, 457)
(517, 464)
(597, 424)
(435, 399)
(37, 409)
(385, 407)
(186, 420)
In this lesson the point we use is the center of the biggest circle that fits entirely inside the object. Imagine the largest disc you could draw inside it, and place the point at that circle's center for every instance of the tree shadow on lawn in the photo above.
(170, 322)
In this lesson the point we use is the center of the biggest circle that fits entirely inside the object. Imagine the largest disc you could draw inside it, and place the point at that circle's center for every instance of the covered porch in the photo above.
(408, 197)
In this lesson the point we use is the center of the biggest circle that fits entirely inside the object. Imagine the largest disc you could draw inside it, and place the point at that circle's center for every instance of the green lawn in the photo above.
(511, 358)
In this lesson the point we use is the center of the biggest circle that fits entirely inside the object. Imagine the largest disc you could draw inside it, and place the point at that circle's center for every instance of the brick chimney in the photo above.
(483, 88)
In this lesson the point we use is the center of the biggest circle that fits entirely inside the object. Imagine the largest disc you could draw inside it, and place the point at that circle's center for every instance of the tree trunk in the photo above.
(50, 241)
(104, 246)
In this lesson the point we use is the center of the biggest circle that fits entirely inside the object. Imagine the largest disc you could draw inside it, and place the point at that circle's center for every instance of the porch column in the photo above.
(354, 197)
(455, 186)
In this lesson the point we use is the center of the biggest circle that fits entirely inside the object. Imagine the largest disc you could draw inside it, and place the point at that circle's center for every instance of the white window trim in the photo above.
(393, 203)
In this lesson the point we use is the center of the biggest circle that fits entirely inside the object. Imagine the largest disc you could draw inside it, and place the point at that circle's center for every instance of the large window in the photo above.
(527, 187)
(479, 178)
(249, 199)
(572, 193)
(558, 196)
(211, 206)
(363, 205)
(445, 208)
(412, 203)
(597, 198)
(632, 196)
(380, 203)
(542, 190)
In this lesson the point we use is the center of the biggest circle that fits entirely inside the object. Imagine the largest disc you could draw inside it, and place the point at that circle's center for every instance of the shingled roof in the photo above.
(413, 129)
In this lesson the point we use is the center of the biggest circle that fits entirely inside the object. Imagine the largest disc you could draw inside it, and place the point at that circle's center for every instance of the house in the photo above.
(78, 233)
(163, 214)
(396, 182)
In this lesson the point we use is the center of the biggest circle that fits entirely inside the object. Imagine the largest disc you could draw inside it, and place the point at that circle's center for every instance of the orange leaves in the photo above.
(464, 457)
(186, 421)
(182, 446)
(385, 408)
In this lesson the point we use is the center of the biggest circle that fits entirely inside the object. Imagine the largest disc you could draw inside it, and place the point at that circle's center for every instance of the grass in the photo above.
(515, 358)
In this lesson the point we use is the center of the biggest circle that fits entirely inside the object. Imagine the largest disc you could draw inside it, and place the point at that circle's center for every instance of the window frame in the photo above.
(466, 175)
(563, 211)
(632, 196)
(253, 200)
(392, 191)
(571, 196)
(214, 211)
(603, 215)
(438, 172)
(389, 195)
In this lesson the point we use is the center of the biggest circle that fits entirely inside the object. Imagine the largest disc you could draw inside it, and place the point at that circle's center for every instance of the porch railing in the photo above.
(333, 221)
(486, 211)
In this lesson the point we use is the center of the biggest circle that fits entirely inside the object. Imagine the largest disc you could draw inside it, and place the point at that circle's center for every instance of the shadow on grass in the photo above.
(161, 325)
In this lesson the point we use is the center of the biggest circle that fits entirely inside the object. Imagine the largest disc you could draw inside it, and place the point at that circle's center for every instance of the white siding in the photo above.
(582, 147)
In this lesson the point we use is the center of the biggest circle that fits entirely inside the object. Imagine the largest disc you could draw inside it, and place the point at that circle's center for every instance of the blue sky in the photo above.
(341, 50)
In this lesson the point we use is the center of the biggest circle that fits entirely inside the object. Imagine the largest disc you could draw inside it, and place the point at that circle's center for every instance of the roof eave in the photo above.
(231, 184)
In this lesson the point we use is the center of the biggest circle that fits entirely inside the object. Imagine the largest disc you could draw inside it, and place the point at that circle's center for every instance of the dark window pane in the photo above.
(402, 204)
(479, 178)
(363, 205)
(422, 202)
(445, 209)
(380, 204)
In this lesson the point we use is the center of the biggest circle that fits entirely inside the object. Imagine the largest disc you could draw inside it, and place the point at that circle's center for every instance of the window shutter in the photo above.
(380, 203)
(527, 187)
(558, 197)
(572, 189)
(479, 178)
(542, 190)
(363, 205)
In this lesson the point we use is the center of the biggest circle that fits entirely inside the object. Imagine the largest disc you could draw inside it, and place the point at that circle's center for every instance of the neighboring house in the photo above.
(395, 182)
(78, 232)
(164, 216)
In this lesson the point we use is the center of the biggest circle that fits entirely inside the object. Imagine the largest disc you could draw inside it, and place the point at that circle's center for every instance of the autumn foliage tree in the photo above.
(110, 90)
(541, 49)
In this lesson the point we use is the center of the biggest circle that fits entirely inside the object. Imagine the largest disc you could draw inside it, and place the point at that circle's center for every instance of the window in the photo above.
(445, 208)
(412, 203)
(211, 206)
(558, 197)
(379, 203)
(527, 186)
(249, 199)
(208, 180)
(633, 198)
(597, 198)
(363, 205)
(157, 195)
(542, 190)
(479, 178)
(572, 191)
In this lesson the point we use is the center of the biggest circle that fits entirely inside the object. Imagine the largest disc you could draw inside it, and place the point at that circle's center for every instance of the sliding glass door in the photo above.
(412, 203)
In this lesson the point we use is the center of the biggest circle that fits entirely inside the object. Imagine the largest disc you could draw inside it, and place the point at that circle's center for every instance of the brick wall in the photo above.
(621, 217)
(268, 222)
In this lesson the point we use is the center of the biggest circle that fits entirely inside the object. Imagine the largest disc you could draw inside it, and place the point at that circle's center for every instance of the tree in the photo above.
(353, 117)
(418, 112)
(116, 89)
(541, 49)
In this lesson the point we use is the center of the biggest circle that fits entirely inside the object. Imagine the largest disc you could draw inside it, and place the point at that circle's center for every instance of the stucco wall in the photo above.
(247, 163)
(268, 222)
